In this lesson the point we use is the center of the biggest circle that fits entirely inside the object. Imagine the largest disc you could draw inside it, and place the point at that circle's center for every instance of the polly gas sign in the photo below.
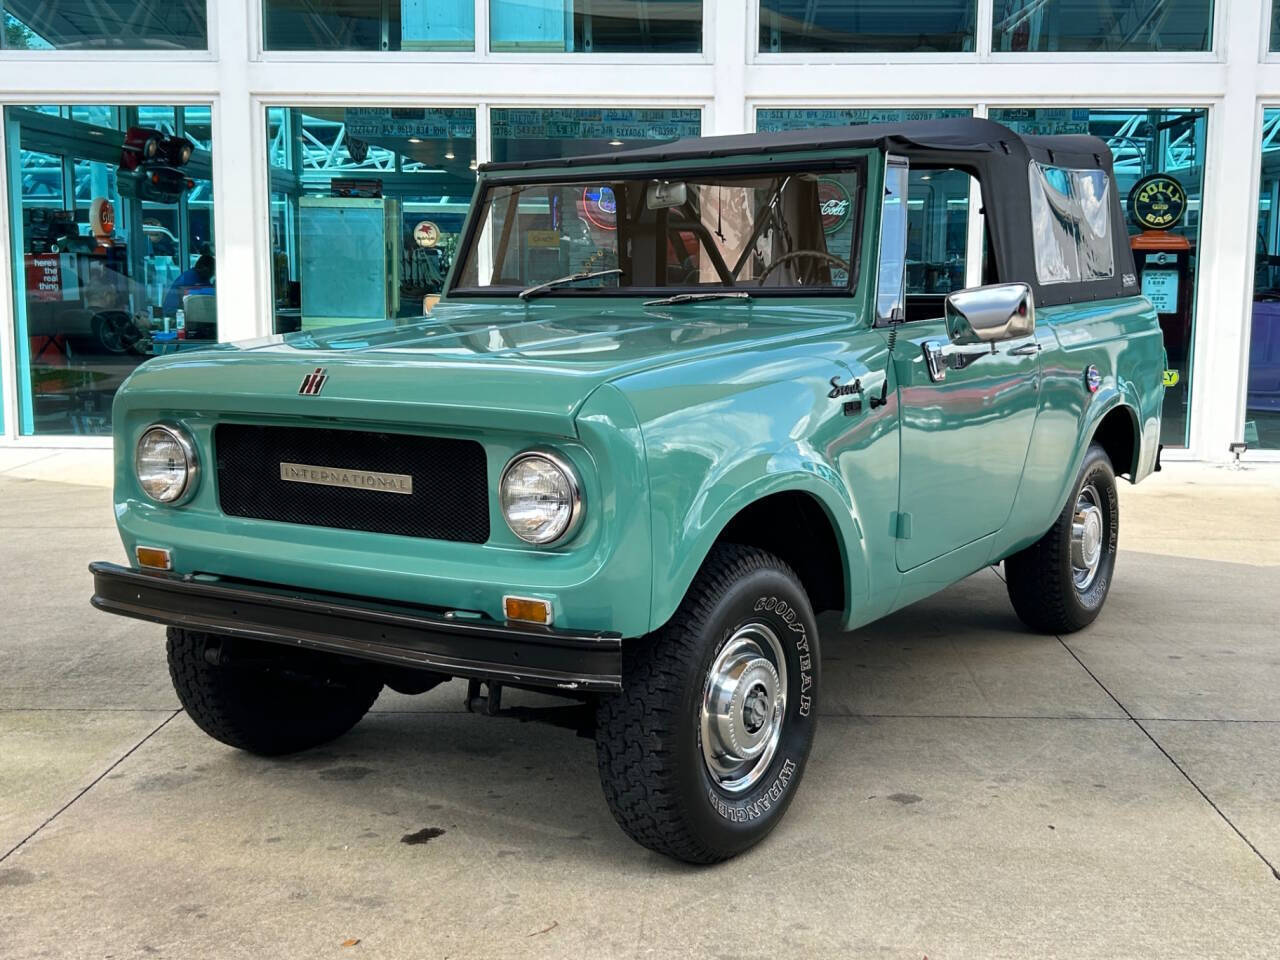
(1157, 202)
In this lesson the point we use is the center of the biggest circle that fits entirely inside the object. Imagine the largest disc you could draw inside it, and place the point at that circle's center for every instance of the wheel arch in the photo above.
(1117, 432)
(805, 521)
(1111, 420)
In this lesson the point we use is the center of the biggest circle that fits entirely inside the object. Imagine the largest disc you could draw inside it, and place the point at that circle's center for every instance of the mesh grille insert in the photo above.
(450, 498)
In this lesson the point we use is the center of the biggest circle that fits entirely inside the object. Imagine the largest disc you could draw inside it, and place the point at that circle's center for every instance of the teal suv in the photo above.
(675, 402)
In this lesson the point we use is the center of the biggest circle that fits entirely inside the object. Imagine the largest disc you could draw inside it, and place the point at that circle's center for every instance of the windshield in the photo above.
(775, 232)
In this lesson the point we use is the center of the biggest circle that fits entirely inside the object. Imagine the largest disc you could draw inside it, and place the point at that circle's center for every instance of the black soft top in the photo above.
(958, 134)
(996, 155)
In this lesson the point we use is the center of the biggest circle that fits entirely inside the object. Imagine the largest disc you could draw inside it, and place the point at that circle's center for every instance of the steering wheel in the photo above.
(787, 257)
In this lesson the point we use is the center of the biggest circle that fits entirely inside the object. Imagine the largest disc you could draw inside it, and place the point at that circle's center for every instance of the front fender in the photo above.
(758, 475)
(721, 433)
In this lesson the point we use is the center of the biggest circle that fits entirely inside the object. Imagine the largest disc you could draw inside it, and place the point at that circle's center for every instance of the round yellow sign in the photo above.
(426, 234)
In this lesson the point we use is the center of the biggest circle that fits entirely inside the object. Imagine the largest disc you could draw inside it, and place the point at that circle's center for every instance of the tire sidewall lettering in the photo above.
(776, 612)
(762, 804)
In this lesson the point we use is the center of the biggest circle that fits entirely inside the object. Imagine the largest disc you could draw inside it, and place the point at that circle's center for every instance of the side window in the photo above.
(938, 230)
(1070, 223)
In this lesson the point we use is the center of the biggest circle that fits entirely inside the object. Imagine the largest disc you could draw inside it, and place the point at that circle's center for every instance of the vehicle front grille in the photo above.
(450, 498)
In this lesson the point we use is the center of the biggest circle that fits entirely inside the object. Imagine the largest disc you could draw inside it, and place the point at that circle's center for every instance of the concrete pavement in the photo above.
(975, 791)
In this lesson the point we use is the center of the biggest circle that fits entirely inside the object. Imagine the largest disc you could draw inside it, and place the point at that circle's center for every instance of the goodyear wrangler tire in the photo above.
(702, 752)
(265, 706)
(1059, 583)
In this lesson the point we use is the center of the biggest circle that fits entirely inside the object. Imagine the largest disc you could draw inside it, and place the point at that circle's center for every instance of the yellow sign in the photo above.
(1157, 202)
(1171, 378)
(543, 238)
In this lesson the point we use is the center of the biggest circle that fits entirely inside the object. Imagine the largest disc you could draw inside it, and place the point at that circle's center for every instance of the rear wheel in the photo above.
(255, 698)
(701, 753)
(1060, 582)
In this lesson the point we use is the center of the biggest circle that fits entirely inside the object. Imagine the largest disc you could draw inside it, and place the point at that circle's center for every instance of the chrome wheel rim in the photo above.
(1087, 528)
(113, 334)
(744, 702)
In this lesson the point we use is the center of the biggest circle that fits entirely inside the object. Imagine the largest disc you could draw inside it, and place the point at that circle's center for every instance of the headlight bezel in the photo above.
(183, 439)
(577, 500)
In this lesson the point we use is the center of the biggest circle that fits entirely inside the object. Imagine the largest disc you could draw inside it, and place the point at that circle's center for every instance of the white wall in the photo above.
(727, 81)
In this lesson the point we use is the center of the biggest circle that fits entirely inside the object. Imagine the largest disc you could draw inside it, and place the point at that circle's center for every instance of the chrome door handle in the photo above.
(1026, 350)
(939, 355)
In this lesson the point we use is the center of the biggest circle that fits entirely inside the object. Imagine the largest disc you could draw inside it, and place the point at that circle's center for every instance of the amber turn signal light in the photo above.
(527, 610)
(153, 558)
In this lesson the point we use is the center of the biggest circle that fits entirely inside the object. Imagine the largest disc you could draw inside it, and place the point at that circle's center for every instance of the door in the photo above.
(964, 435)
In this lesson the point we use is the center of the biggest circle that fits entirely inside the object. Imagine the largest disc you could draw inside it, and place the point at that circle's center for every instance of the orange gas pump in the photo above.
(1157, 204)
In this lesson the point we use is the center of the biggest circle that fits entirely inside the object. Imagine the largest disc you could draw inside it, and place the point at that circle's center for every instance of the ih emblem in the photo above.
(313, 383)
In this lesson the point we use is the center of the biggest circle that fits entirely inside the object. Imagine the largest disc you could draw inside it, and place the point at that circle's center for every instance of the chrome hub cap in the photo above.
(1086, 537)
(743, 703)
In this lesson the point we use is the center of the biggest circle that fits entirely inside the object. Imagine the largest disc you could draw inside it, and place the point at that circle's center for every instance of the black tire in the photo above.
(649, 741)
(250, 698)
(1044, 581)
(114, 331)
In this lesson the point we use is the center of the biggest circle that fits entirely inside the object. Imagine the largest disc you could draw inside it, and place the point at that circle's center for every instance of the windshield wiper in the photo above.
(537, 288)
(691, 297)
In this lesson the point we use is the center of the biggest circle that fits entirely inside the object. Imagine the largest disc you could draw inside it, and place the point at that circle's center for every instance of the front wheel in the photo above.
(1060, 582)
(255, 698)
(702, 752)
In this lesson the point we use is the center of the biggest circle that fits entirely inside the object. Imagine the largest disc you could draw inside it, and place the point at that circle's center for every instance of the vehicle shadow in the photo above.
(524, 784)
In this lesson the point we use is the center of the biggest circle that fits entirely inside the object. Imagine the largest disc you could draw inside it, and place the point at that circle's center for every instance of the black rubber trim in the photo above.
(389, 633)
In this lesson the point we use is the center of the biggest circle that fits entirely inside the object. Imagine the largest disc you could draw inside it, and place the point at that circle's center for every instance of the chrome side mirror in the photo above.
(1002, 311)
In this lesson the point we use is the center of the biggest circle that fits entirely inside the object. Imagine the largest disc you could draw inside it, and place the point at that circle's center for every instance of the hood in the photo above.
(523, 366)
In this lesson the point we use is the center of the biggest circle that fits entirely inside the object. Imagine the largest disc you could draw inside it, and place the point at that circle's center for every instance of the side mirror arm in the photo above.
(941, 356)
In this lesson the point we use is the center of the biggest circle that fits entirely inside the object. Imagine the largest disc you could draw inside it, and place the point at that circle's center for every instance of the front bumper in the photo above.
(389, 633)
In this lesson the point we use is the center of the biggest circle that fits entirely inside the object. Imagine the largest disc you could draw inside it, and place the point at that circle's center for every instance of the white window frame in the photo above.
(208, 55)
(480, 52)
(984, 52)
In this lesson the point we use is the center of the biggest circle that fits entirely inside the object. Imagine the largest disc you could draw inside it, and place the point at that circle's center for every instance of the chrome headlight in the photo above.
(165, 463)
(541, 497)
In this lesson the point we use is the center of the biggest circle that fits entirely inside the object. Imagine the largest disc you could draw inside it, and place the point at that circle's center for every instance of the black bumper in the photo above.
(396, 634)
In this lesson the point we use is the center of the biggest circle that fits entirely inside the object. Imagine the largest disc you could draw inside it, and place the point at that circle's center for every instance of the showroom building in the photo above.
(203, 170)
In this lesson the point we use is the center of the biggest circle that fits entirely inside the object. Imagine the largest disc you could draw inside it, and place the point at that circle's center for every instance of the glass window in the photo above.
(937, 201)
(757, 232)
(1262, 399)
(433, 25)
(366, 206)
(890, 299)
(103, 25)
(595, 26)
(113, 253)
(1103, 25)
(540, 133)
(866, 26)
(937, 230)
(1158, 140)
(776, 120)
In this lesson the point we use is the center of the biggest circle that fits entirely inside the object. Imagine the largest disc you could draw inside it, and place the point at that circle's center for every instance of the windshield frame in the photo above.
(857, 161)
